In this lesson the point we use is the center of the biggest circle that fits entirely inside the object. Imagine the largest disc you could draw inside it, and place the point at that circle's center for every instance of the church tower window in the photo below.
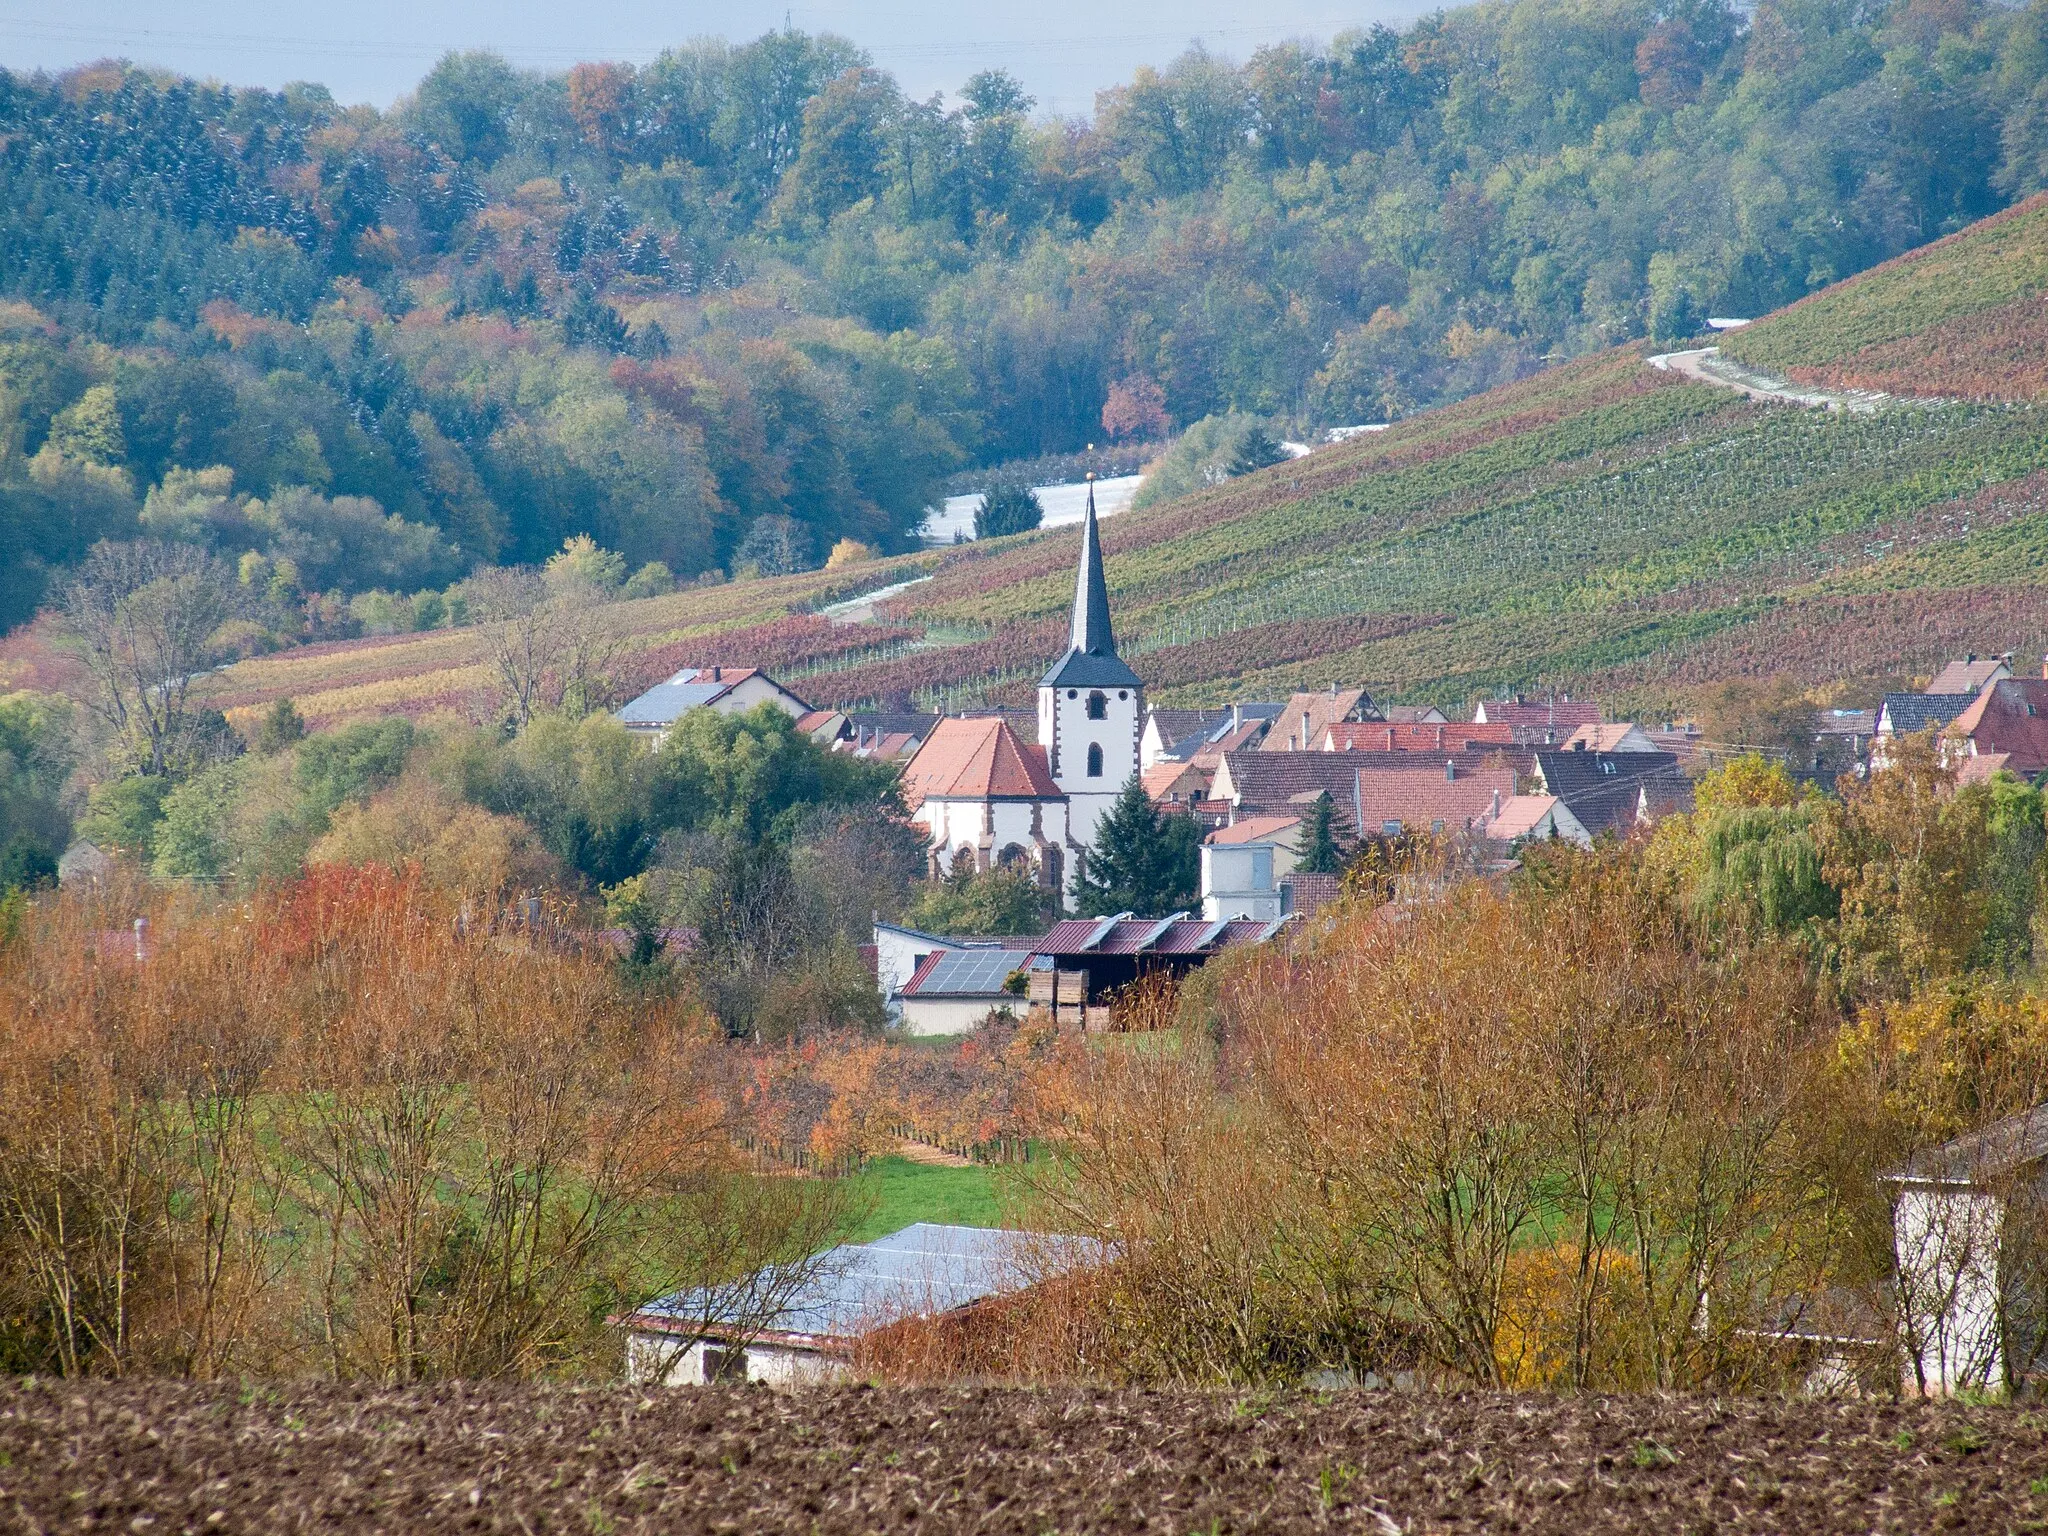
(1098, 705)
(1094, 760)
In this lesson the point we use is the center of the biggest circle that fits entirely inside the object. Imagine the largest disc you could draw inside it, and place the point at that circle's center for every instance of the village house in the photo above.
(2004, 727)
(1538, 722)
(1166, 729)
(1415, 736)
(723, 690)
(924, 1272)
(1969, 675)
(1440, 801)
(953, 991)
(1969, 1240)
(1535, 819)
(1414, 714)
(1307, 718)
(1610, 736)
(1614, 791)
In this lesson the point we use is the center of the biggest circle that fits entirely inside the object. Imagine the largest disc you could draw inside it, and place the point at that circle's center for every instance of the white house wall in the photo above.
(1947, 1243)
(949, 1015)
(652, 1360)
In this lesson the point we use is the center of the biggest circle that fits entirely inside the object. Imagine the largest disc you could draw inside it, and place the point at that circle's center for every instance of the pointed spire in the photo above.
(1091, 660)
(1091, 634)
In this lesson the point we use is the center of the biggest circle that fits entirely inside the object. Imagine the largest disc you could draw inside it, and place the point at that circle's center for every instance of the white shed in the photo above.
(1966, 1232)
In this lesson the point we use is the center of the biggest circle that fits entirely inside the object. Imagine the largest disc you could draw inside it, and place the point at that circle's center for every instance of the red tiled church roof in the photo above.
(980, 759)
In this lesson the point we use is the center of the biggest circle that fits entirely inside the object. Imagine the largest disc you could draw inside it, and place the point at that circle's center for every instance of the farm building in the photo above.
(725, 690)
(1969, 1238)
(924, 1271)
(1107, 954)
(952, 991)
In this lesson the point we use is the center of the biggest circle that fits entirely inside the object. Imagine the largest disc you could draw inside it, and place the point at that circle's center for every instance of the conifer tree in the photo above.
(1142, 862)
(1320, 854)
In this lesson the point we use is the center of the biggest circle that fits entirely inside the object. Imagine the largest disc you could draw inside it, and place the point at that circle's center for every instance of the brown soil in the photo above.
(930, 1156)
(163, 1457)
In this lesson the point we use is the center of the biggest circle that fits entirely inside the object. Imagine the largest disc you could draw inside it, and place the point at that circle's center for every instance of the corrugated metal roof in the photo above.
(665, 702)
(920, 1271)
(1126, 935)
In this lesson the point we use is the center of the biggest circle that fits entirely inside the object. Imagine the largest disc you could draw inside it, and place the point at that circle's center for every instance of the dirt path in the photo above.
(232, 1457)
(1708, 366)
(930, 1156)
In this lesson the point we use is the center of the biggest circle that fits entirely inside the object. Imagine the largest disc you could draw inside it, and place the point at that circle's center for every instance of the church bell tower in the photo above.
(1091, 707)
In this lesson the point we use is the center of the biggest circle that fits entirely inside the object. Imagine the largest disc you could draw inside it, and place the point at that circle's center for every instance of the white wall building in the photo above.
(983, 793)
(1238, 881)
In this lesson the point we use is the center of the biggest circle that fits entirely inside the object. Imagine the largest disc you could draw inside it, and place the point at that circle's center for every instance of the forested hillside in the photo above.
(733, 307)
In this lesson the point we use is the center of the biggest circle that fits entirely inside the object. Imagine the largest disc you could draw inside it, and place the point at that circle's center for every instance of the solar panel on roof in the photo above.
(972, 971)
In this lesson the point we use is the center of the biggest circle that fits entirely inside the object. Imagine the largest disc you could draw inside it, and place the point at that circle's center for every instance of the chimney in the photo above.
(1333, 690)
(1496, 807)
(1450, 769)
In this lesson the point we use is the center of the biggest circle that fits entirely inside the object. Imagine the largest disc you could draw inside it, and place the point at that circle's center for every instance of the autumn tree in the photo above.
(140, 617)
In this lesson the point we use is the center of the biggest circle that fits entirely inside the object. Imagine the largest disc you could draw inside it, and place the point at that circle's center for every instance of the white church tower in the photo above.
(1091, 707)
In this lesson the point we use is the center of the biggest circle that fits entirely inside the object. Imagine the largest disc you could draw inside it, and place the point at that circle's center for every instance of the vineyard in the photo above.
(1602, 525)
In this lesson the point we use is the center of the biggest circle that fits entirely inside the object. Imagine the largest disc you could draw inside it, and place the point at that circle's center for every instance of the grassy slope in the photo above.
(906, 1192)
(1603, 526)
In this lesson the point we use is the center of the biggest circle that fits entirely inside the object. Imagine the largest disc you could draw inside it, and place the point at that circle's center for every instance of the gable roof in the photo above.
(1173, 726)
(1273, 779)
(1413, 736)
(1604, 789)
(1968, 675)
(1255, 829)
(1902, 714)
(1302, 724)
(1560, 715)
(978, 759)
(665, 703)
(1170, 776)
(1413, 714)
(1522, 814)
(1422, 797)
(2010, 717)
(1611, 736)
(2018, 1141)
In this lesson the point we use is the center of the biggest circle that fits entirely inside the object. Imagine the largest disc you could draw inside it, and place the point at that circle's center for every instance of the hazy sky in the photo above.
(375, 50)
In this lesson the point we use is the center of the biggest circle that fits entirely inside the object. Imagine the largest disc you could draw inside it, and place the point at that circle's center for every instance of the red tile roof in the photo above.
(1413, 737)
(1561, 715)
(977, 760)
(1308, 716)
(1255, 829)
(2009, 716)
(1419, 798)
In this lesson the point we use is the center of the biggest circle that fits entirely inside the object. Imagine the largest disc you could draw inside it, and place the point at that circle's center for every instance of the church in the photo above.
(984, 794)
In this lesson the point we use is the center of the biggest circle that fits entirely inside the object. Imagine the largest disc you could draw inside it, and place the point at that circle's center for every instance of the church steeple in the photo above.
(1091, 660)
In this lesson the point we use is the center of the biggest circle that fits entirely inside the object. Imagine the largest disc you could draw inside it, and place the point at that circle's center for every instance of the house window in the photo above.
(1098, 705)
(1436, 829)
(1094, 760)
(1390, 829)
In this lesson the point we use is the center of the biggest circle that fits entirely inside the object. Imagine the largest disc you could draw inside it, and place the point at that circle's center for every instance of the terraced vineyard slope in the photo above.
(1605, 526)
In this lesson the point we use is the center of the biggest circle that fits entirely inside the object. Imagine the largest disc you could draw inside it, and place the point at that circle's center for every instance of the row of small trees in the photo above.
(344, 1128)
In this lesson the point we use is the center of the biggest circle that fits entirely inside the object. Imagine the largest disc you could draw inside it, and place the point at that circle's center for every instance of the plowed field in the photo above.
(162, 1458)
